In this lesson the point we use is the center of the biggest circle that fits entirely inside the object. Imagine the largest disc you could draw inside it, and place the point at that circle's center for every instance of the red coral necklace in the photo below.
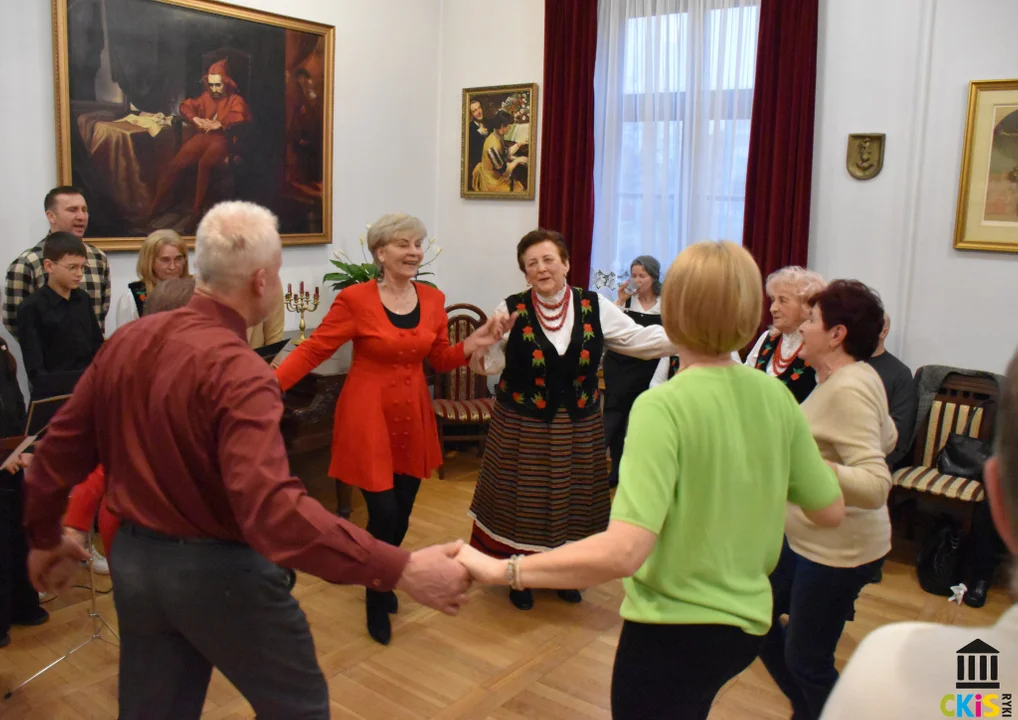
(562, 306)
(780, 365)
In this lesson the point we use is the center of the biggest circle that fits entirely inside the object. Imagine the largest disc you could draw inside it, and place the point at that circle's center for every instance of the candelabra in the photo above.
(300, 302)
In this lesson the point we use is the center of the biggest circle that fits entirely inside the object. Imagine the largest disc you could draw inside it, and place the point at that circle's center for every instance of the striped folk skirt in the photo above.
(541, 484)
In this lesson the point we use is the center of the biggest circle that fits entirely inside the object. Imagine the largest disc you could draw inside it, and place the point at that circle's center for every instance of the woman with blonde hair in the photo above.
(711, 460)
(777, 351)
(163, 255)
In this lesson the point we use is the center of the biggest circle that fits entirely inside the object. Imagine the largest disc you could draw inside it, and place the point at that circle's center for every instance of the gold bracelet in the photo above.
(514, 572)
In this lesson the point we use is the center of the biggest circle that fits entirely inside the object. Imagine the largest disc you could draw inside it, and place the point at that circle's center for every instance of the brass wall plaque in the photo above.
(865, 157)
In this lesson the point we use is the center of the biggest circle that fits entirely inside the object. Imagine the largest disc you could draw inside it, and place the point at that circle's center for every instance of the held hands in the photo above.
(490, 333)
(434, 578)
(482, 568)
(53, 570)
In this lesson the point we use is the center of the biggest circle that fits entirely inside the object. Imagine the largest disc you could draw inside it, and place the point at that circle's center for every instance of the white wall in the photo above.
(478, 262)
(903, 68)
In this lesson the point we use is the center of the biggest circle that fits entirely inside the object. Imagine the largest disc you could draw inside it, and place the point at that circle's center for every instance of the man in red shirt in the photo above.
(212, 113)
(184, 417)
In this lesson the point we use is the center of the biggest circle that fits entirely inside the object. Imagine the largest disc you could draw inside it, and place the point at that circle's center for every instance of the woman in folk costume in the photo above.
(544, 476)
(495, 171)
(777, 351)
(385, 438)
(626, 377)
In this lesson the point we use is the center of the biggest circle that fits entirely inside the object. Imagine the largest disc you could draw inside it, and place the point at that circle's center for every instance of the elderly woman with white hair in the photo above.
(385, 438)
(777, 351)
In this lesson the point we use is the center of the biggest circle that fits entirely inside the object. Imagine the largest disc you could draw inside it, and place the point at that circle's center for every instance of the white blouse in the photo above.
(790, 344)
(127, 309)
(635, 306)
(621, 334)
(661, 372)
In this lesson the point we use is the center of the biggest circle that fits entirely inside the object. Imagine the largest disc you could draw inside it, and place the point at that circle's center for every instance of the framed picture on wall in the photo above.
(499, 151)
(166, 107)
(988, 195)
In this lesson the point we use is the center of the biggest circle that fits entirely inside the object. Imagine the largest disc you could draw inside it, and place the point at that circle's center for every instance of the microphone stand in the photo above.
(98, 622)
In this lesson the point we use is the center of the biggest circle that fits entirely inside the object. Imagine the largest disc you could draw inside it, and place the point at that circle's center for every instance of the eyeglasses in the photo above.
(74, 269)
(168, 261)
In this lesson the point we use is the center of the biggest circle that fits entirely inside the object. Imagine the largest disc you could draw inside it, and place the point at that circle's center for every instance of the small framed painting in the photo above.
(499, 152)
(987, 216)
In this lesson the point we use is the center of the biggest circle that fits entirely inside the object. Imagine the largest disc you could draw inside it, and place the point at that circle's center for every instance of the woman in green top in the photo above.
(711, 458)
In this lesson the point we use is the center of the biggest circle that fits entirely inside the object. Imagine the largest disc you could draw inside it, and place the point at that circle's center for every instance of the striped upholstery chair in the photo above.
(461, 396)
(958, 398)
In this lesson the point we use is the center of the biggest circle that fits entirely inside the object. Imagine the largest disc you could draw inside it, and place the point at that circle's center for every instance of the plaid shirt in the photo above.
(25, 275)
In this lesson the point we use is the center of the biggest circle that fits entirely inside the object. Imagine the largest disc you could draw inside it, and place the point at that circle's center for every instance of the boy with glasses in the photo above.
(56, 324)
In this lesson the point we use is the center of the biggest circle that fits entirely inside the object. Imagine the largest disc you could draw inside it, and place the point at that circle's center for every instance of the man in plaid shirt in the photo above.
(66, 211)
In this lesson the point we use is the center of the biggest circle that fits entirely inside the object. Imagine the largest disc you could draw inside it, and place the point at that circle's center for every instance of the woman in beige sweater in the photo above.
(822, 570)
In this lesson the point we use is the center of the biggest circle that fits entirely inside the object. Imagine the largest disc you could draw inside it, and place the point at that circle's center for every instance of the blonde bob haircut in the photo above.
(150, 248)
(712, 299)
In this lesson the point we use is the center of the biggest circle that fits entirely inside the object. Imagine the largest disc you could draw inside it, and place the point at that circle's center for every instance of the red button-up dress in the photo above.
(385, 423)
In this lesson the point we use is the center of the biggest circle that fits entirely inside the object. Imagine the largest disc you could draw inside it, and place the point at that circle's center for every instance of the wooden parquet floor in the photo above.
(493, 661)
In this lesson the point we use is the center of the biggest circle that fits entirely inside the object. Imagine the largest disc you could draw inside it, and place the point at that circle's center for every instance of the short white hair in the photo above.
(234, 240)
(385, 229)
(803, 283)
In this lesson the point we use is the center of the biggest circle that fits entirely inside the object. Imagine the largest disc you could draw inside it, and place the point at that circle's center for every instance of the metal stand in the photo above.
(98, 621)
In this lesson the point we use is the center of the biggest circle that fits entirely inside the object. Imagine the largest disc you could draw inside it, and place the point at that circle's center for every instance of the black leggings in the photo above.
(673, 672)
(389, 514)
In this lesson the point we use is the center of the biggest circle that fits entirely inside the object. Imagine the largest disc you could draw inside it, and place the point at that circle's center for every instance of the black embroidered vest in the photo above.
(626, 377)
(673, 366)
(798, 377)
(537, 381)
(140, 294)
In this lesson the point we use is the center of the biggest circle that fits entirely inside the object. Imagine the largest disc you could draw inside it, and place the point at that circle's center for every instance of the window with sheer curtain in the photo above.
(673, 90)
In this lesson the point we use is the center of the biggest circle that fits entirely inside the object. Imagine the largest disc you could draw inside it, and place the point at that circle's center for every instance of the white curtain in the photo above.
(673, 89)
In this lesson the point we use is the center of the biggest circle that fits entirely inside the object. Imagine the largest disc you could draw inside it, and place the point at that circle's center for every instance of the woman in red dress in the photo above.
(385, 438)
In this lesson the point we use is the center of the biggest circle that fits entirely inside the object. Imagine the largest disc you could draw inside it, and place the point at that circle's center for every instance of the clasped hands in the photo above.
(491, 332)
(439, 576)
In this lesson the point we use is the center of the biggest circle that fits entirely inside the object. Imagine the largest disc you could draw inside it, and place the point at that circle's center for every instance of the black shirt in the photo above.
(405, 322)
(58, 339)
(901, 400)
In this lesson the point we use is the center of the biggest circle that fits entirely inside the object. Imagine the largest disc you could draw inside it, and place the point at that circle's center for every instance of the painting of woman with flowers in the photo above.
(497, 153)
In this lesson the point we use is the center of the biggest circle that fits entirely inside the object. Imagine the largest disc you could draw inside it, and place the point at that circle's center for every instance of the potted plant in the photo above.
(351, 273)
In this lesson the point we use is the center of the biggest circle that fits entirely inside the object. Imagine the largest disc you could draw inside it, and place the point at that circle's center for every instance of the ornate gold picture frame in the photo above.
(165, 107)
(498, 156)
(987, 217)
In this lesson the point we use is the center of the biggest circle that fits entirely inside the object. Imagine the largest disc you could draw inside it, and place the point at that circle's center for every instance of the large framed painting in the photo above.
(499, 152)
(166, 107)
(987, 216)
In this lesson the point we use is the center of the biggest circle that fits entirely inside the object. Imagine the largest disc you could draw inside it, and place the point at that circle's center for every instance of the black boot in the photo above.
(391, 602)
(570, 596)
(976, 597)
(523, 599)
(379, 627)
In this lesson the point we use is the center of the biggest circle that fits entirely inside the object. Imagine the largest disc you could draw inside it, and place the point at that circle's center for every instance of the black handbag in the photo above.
(964, 456)
(937, 562)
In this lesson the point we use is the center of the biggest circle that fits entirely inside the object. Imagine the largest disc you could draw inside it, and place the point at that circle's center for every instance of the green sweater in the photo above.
(711, 458)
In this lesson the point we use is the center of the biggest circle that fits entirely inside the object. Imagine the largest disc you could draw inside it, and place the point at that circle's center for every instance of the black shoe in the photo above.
(976, 597)
(5, 641)
(570, 596)
(523, 599)
(391, 602)
(878, 575)
(379, 627)
(37, 617)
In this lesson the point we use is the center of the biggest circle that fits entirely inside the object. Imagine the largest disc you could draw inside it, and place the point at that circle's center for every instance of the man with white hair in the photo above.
(913, 670)
(197, 471)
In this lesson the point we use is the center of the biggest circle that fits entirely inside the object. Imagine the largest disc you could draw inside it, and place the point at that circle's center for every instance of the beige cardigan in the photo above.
(848, 416)
(270, 330)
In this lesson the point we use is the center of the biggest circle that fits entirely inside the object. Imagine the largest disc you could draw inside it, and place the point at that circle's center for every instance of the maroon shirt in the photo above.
(184, 417)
